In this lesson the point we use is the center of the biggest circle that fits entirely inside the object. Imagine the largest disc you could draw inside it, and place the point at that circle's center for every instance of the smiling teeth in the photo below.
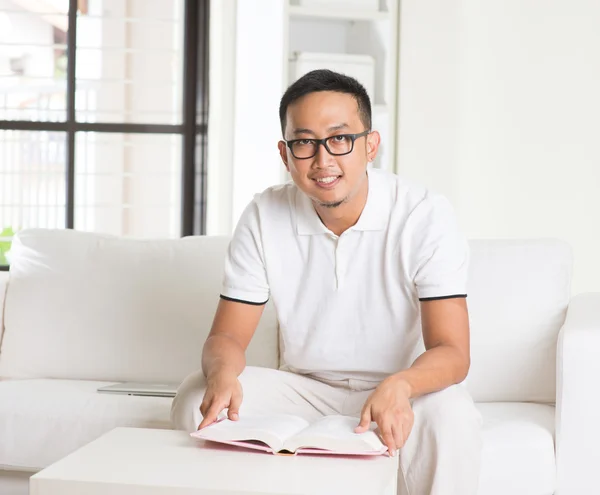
(327, 180)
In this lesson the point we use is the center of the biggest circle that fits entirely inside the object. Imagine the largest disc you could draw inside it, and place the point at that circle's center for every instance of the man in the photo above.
(368, 276)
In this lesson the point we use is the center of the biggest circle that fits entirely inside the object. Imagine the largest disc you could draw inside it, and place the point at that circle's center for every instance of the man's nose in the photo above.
(323, 158)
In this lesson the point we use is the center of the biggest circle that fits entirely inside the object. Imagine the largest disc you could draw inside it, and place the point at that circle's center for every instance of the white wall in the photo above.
(499, 108)
(258, 89)
(247, 64)
(221, 114)
(428, 95)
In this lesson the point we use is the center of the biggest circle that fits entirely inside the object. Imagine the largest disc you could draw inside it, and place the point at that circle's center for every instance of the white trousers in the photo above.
(441, 456)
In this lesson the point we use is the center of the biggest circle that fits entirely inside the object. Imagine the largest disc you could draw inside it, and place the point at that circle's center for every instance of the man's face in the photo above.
(328, 180)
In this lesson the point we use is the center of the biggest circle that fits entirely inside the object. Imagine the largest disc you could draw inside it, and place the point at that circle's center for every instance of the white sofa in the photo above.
(81, 310)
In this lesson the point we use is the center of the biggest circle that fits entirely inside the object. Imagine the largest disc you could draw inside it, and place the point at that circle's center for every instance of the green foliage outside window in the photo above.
(5, 244)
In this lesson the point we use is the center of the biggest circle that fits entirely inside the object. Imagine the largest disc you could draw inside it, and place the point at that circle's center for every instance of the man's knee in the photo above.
(449, 409)
(257, 384)
(185, 410)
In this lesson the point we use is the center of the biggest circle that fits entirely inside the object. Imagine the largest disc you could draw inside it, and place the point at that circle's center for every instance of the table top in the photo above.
(167, 461)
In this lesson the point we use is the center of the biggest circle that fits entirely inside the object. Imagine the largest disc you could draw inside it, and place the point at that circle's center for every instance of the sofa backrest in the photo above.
(97, 307)
(88, 306)
(519, 291)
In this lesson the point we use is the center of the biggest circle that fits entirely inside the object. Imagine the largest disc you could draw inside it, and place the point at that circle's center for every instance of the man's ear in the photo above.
(283, 154)
(373, 141)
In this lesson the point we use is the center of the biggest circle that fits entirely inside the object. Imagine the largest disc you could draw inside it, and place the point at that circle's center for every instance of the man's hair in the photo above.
(326, 80)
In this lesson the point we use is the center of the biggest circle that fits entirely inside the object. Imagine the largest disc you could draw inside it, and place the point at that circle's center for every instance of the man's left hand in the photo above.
(390, 408)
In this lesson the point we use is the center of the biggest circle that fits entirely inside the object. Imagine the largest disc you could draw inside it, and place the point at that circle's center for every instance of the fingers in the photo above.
(211, 415)
(212, 405)
(387, 437)
(394, 435)
(398, 434)
(365, 419)
(234, 407)
(206, 402)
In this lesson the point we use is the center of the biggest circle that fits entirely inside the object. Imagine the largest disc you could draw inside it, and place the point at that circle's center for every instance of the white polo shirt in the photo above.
(348, 306)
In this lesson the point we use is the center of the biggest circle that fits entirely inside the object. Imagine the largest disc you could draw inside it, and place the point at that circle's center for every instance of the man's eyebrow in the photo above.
(301, 130)
(337, 127)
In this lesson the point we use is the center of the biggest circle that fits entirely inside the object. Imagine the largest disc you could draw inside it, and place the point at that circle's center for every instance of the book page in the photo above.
(273, 429)
(336, 433)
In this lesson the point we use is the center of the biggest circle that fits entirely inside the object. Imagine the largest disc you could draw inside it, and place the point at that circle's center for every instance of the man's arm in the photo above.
(232, 329)
(223, 357)
(446, 360)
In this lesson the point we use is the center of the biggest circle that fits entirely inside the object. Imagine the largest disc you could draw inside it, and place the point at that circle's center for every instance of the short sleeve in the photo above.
(245, 278)
(439, 253)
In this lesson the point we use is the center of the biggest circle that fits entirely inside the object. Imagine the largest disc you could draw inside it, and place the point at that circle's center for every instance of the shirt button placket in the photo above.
(339, 262)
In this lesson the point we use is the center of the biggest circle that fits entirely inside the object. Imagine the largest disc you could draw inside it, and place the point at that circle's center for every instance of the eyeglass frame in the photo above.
(323, 142)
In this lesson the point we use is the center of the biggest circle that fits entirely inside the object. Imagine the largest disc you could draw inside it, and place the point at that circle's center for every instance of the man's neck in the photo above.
(341, 218)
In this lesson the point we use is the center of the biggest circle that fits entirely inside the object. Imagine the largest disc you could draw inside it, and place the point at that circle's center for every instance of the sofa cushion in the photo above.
(518, 296)
(518, 449)
(97, 307)
(41, 421)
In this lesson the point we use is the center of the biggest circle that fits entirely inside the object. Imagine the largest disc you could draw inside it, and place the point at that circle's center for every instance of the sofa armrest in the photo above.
(578, 397)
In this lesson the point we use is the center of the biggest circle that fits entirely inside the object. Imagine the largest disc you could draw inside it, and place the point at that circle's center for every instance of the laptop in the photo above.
(143, 389)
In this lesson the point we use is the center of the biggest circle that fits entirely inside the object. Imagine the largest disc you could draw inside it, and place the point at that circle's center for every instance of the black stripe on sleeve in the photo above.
(225, 298)
(455, 296)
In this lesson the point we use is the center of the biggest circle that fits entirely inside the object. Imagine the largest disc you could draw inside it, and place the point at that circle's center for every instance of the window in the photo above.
(103, 116)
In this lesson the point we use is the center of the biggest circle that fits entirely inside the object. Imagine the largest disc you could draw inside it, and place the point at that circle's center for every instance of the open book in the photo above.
(283, 433)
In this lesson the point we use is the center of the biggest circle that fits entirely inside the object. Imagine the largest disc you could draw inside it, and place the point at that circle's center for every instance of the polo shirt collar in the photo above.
(373, 217)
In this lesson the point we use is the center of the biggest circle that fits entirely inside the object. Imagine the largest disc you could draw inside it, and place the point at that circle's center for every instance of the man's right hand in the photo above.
(223, 391)
(223, 358)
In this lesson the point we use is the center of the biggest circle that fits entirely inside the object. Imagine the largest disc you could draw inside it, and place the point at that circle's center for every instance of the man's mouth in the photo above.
(327, 180)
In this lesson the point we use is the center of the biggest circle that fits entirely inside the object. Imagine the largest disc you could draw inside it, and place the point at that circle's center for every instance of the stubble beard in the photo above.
(333, 204)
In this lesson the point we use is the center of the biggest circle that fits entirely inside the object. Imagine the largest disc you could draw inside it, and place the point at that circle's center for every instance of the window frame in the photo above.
(193, 129)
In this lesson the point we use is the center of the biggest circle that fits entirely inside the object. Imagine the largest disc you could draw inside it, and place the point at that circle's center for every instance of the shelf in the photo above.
(337, 14)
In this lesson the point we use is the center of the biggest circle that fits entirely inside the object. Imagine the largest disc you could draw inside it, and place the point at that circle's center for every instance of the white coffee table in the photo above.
(136, 461)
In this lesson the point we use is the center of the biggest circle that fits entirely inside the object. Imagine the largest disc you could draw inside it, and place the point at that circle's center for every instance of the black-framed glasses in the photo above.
(338, 145)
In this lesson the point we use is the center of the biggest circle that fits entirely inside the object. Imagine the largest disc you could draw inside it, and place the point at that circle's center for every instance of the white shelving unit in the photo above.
(335, 13)
(338, 30)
